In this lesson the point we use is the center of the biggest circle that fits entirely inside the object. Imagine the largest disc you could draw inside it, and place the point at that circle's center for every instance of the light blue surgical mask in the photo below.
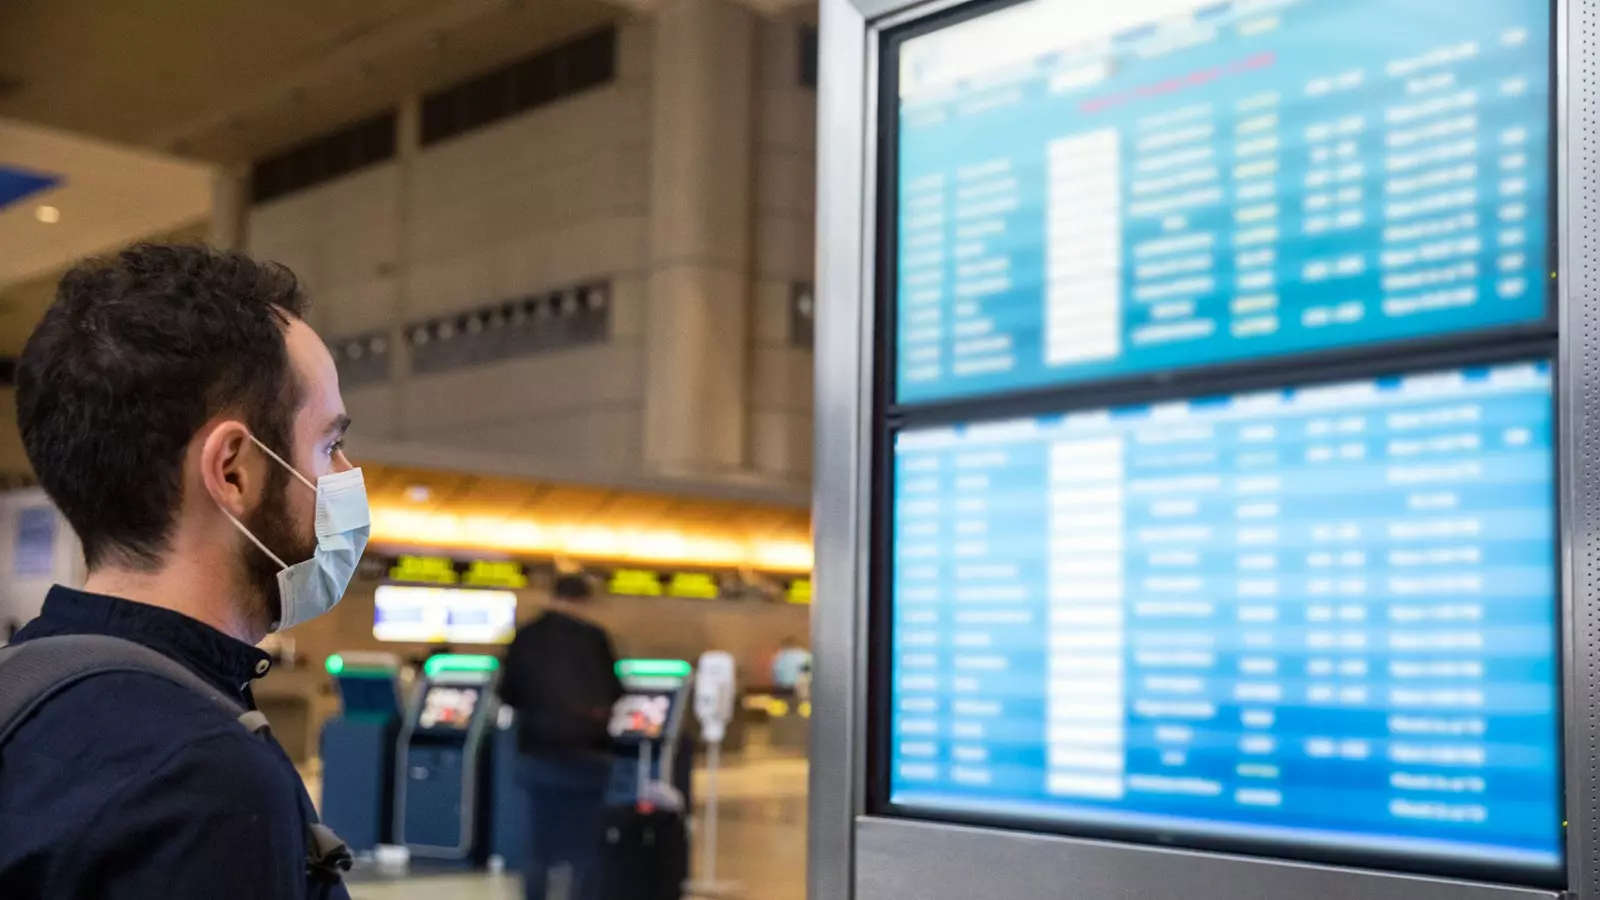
(309, 589)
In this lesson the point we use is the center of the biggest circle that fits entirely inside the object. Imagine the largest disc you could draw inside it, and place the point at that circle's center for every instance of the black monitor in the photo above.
(642, 715)
(448, 707)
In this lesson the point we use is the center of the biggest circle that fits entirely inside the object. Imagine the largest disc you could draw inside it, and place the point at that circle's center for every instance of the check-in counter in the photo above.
(296, 701)
(783, 720)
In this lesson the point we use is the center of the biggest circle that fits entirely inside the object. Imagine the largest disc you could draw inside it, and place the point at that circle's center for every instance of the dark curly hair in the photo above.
(135, 355)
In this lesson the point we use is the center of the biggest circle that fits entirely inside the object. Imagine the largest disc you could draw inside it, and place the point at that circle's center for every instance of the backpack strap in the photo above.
(33, 672)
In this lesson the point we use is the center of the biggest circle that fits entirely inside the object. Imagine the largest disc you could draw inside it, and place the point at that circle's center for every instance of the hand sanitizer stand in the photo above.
(714, 690)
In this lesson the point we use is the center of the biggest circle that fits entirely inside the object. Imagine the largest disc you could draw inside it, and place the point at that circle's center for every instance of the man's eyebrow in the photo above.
(339, 425)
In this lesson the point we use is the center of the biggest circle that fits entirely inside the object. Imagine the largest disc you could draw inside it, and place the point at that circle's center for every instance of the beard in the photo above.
(273, 526)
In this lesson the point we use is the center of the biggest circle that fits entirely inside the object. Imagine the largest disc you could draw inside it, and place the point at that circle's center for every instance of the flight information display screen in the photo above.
(1108, 190)
(444, 615)
(1320, 617)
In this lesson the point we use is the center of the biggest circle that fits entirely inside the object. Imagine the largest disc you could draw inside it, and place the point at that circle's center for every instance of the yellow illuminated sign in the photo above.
(495, 574)
(697, 585)
(799, 591)
(635, 583)
(424, 570)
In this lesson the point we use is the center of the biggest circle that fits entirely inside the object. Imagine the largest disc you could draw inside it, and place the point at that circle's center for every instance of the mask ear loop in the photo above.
(245, 531)
(280, 461)
(254, 540)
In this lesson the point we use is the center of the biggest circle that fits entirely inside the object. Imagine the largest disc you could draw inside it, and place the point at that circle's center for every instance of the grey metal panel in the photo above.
(363, 359)
(840, 448)
(515, 328)
(896, 860)
(1578, 192)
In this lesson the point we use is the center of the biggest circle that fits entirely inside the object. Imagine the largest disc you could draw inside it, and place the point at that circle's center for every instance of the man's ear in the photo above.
(231, 473)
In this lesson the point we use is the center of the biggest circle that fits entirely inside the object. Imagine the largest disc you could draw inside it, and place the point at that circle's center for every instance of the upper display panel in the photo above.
(1108, 190)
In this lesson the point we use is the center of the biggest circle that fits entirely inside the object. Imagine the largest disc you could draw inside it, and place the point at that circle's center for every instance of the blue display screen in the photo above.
(1322, 617)
(1107, 190)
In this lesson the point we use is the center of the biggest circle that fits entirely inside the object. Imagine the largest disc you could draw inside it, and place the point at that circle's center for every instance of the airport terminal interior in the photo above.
(1020, 448)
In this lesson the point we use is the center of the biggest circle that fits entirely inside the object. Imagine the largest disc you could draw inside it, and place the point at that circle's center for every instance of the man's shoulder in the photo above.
(555, 622)
(131, 774)
(132, 720)
(136, 738)
(582, 624)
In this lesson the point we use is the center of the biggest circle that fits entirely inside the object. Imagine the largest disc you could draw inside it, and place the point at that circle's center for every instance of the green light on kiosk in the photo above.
(653, 668)
(335, 664)
(459, 662)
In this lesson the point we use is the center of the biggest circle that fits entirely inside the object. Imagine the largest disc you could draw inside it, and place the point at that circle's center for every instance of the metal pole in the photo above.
(713, 763)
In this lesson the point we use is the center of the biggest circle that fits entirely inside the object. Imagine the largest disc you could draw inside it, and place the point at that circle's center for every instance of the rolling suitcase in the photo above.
(646, 851)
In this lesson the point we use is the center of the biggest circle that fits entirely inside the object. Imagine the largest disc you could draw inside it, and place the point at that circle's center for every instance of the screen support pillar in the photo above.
(839, 506)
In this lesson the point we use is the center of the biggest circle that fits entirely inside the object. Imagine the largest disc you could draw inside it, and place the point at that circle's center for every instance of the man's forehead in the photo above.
(305, 347)
(315, 370)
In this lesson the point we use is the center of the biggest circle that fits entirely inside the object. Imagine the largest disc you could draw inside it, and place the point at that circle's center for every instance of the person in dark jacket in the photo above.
(560, 676)
(188, 424)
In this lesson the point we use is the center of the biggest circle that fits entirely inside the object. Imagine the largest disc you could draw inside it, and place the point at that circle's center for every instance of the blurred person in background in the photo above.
(561, 678)
(188, 424)
(791, 661)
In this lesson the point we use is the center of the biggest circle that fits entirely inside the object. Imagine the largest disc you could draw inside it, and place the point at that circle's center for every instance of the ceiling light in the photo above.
(394, 525)
(49, 215)
(418, 493)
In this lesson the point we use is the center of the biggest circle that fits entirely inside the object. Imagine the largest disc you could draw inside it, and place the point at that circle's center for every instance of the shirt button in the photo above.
(262, 667)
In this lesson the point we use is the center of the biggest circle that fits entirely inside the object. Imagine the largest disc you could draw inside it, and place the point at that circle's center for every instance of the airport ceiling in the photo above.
(229, 81)
(73, 196)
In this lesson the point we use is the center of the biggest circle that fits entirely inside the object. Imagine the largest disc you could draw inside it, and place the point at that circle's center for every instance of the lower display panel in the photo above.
(1320, 621)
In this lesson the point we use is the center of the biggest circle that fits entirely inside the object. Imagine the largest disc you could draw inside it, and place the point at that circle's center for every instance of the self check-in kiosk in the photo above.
(650, 717)
(508, 797)
(442, 761)
(358, 747)
(1207, 419)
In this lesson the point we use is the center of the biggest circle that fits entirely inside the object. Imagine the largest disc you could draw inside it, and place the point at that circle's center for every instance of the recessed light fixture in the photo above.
(49, 215)
(418, 493)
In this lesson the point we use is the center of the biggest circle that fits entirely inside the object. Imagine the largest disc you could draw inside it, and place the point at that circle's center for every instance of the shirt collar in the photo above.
(228, 663)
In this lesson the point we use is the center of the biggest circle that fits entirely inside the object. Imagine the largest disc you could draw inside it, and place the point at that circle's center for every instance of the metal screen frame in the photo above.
(856, 855)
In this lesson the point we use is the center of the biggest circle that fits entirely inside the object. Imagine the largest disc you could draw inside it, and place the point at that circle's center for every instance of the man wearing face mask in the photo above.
(188, 424)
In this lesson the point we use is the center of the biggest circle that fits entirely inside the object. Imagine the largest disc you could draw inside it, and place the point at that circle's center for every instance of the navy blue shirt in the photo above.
(128, 786)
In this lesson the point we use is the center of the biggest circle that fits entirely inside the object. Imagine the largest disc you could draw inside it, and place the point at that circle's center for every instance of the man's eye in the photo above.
(336, 447)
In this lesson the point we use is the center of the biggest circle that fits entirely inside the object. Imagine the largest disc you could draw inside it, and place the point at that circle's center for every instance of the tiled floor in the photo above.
(761, 844)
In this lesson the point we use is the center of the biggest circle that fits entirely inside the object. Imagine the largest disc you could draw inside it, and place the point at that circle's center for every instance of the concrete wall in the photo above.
(540, 201)
(785, 224)
(557, 196)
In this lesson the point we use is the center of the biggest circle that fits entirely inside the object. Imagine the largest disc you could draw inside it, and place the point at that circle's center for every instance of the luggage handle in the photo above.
(642, 787)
